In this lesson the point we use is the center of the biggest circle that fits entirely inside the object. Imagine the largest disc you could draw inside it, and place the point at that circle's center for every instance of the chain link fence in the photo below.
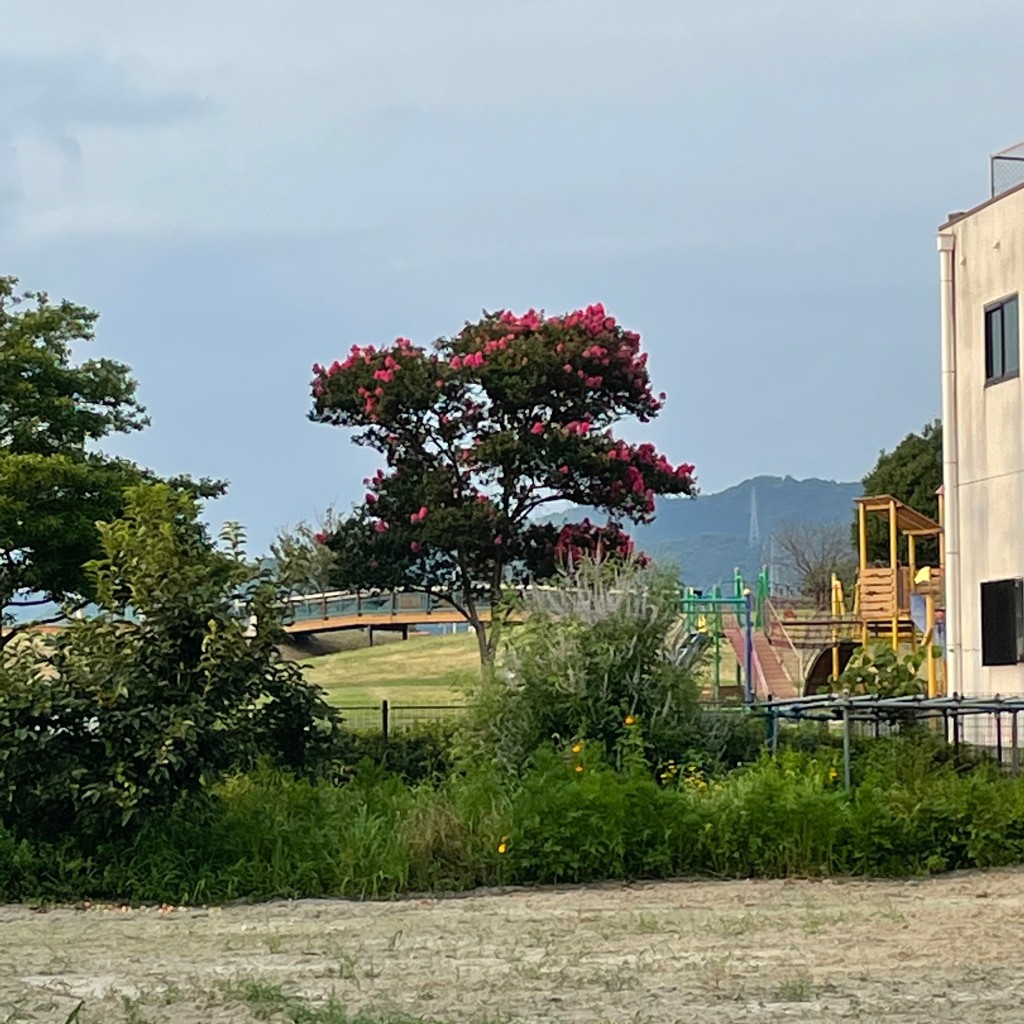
(1006, 169)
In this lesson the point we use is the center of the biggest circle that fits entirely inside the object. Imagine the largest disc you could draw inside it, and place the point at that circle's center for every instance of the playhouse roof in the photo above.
(908, 520)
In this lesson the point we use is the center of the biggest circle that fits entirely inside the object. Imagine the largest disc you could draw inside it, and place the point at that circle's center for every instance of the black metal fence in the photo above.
(387, 717)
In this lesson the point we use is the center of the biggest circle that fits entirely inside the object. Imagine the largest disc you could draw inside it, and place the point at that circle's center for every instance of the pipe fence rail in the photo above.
(989, 725)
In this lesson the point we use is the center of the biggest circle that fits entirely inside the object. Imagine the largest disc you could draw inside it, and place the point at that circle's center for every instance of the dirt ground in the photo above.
(946, 949)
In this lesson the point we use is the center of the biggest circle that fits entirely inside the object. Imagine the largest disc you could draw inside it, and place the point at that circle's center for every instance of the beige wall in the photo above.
(988, 264)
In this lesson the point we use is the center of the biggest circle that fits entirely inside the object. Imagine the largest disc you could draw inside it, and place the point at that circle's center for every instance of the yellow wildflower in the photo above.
(577, 747)
(630, 720)
(833, 775)
(579, 767)
(502, 847)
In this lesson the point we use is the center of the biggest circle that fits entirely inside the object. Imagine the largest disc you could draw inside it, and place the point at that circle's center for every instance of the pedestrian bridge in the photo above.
(394, 610)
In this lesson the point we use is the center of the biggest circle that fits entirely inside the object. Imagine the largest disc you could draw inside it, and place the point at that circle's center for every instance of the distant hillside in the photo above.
(708, 536)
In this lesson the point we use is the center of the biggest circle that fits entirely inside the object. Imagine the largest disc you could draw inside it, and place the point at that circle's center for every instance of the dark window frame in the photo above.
(996, 349)
(1002, 622)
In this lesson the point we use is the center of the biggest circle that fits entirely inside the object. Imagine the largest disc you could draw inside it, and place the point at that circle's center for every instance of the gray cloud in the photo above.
(754, 186)
(53, 99)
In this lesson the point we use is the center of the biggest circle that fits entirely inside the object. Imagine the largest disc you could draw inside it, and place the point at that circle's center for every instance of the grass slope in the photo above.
(421, 670)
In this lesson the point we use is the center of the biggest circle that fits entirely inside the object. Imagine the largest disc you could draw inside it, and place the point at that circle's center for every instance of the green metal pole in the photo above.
(763, 590)
(718, 667)
(846, 748)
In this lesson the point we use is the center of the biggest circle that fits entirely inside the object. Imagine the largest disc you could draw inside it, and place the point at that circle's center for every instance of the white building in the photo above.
(981, 255)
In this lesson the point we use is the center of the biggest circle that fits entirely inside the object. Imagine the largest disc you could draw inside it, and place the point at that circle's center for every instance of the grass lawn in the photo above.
(420, 670)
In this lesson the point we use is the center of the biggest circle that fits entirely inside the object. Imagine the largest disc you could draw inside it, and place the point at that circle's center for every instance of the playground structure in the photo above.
(776, 652)
(736, 621)
(782, 654)
(885, 593)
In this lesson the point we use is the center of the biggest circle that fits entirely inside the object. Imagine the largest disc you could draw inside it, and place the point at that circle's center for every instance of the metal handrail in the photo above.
(772, 614)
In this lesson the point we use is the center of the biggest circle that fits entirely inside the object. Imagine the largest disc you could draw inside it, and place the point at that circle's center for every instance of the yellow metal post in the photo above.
(929, 621)
(862, 530)
(912, 555)
(862, 544)
(894, 566)
(837, 610)
(942, 532)
(911, 573)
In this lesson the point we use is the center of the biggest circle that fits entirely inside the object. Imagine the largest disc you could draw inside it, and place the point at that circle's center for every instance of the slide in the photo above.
(919, 616)
(687, 650)
(818, 675)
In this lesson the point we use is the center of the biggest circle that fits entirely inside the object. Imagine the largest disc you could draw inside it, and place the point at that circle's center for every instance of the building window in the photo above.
(1002, 622)
(1002, 341)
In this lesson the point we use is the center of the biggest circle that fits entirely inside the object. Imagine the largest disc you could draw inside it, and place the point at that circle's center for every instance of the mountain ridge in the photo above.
(708, 536)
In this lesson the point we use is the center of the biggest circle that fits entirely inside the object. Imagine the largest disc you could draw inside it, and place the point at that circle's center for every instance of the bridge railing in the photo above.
(354, 604)
(357, 603)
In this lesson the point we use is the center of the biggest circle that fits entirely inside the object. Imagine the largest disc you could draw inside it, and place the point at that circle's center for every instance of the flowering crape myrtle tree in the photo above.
(479, 433)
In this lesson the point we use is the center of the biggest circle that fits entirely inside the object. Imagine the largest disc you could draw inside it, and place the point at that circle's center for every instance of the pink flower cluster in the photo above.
(368, 356)
(471, 361)
(578, 541)
(374, 483)
(640, 464)
(646, 455)
(593, 320)
(418, 517)
(531, 320)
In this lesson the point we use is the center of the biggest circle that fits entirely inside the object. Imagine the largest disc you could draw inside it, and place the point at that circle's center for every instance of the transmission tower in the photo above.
(754, 534)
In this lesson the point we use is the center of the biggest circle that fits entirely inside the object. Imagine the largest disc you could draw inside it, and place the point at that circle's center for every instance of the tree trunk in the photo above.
(483, 642)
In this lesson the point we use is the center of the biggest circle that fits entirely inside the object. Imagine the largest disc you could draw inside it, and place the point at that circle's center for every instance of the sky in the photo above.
(243, 188)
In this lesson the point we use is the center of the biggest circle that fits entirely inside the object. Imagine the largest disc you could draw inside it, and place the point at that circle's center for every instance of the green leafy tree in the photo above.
(911, 472)
(881, 670)
(304, 564)
(54, 485)
(479, 433)
(178, 680)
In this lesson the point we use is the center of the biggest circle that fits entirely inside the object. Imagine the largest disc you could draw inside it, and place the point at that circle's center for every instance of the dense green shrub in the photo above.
(421, 753)
(881, 670)
(177, 681)
(713, 738)
(572, 816)
(590, 655)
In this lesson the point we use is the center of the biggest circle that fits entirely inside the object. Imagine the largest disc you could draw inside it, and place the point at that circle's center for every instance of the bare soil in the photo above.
(938, 950)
